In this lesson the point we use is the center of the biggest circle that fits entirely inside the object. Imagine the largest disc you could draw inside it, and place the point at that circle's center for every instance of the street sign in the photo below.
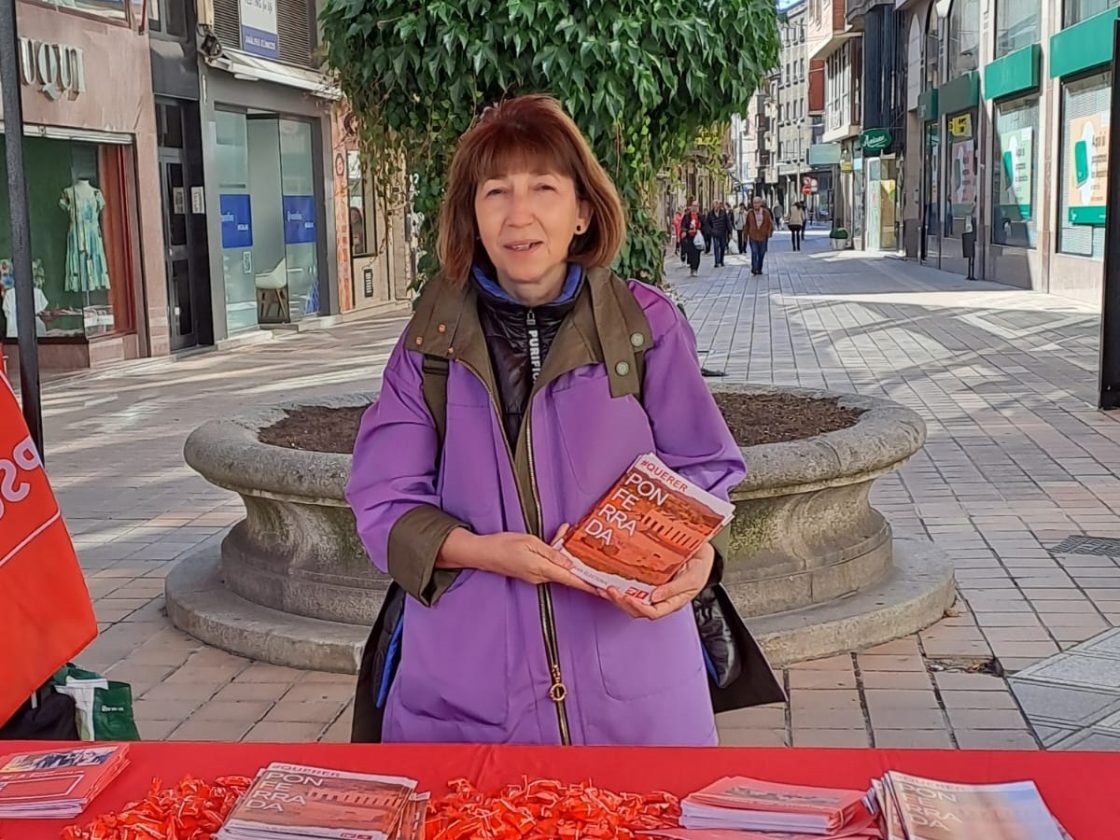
(807, 189)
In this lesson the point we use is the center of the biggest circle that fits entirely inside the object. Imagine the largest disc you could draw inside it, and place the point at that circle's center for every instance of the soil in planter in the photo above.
(753, 418)
(316, 428)
(777, 418)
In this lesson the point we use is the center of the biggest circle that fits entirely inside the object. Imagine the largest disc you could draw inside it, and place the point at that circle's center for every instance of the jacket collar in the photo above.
(606, 326)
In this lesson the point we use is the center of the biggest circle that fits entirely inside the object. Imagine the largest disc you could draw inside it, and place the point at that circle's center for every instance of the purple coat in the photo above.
(475, 662)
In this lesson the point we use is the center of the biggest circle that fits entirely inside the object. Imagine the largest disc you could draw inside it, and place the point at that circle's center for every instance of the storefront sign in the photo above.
(875, 140)
(960, 125)
(299, 219)
(1087, 178)
(1015, 176)
(237, 221)
(258, 27)
(824, 154)
(56, 70)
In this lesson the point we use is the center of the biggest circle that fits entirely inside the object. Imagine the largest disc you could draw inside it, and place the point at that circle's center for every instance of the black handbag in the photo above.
(48, 716)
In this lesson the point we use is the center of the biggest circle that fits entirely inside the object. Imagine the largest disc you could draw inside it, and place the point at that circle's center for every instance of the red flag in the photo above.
(45, 612)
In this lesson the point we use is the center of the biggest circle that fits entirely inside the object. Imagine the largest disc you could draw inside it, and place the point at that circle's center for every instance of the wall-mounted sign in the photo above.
(299, 219)
(258, 27)
(1087, 176)
(875, 140)
(960, 125)
(198, 200)
(237, 220)
(56, 70)
(824, 154)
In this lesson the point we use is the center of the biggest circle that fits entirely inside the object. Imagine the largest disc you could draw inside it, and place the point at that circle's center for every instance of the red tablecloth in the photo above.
(1081, 788)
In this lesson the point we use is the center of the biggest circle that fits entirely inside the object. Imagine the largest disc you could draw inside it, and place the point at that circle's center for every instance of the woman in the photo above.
(546, 405)
(691, 224)
(796, 224)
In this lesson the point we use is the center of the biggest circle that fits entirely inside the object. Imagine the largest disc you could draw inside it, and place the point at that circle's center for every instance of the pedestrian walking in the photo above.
(692, 224)
(497, 640)
(760, 227)
(740, 227)
(796, 224)
(706, 229)
(720, 225)
(677, 216)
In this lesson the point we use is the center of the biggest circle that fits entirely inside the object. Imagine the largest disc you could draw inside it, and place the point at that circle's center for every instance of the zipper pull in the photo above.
(558, 691)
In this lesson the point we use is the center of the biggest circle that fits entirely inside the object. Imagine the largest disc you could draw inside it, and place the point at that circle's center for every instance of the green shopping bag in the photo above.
(104, 707)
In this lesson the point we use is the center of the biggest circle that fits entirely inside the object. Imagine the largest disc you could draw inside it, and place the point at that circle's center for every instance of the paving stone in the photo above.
(913, 738)
(224, 731)
(733, 737)
(995, 739)
(977, 719)
(1089, 739)
(1074, 669)
(805, 679)
(1042, 702)
(830, 737)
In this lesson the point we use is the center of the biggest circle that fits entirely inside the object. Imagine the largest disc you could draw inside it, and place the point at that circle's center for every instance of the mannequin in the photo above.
(87, 270)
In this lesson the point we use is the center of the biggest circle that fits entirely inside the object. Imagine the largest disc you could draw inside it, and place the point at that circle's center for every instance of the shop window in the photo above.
(1018, 25)
(362, 200)
(167, 17)
(1015, 173)
(1084, 181)
(81, 236)
(107, 9)
(960, 171)
(1079, 10)
(964, 37)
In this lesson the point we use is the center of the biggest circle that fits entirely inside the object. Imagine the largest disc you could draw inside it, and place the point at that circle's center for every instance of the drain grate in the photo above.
(1103, 546)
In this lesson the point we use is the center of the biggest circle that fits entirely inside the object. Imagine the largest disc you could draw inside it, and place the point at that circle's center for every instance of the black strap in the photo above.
(434, 383)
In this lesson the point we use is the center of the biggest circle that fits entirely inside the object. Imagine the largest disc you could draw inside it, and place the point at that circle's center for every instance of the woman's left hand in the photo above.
(679, 592)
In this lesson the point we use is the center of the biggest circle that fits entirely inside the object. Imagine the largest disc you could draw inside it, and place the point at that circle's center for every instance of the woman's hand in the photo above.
(514, 555)
(679, 592)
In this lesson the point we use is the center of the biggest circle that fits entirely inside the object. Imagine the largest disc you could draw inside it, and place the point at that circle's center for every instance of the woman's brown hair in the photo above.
(528, 133)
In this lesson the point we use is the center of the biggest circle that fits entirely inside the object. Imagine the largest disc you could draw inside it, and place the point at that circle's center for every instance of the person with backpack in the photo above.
(527, 381)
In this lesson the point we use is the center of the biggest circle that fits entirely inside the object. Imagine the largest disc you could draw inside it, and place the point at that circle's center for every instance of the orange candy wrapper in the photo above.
(192, 810)
(546, 810)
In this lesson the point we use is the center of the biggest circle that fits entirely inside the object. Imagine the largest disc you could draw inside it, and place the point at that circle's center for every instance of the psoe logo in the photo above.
(14, 487)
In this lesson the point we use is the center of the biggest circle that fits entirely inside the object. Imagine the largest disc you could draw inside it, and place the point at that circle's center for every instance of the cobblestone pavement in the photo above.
(1017, 460)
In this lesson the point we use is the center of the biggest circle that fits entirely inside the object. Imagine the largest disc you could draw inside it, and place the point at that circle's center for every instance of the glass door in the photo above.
(301, 238)
(931, 198)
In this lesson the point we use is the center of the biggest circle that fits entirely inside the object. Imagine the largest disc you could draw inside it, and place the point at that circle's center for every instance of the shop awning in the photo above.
(247, 66)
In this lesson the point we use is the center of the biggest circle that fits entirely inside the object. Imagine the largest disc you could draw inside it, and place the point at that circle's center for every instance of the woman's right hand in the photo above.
(514, 555)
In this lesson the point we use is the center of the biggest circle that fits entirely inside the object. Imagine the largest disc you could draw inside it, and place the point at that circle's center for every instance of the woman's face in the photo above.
(526, 221)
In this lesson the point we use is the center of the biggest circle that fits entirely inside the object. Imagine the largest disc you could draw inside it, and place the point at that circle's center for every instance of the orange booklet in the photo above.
(648, 525)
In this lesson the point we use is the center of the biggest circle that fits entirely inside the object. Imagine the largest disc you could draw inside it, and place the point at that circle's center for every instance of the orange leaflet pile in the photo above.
(193, 810)
(547, 810)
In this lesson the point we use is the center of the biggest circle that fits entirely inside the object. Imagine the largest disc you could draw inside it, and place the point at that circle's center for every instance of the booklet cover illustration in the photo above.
(648, 525)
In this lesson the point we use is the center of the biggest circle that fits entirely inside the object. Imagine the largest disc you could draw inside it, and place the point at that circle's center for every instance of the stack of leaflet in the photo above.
(747, 804)
(56, 783)
(287, 801)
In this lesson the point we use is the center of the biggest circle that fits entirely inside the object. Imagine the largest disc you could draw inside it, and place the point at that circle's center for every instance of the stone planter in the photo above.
(812, 563)
(804, 531)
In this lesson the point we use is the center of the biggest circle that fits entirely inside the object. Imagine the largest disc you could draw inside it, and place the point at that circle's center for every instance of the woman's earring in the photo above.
(579, 228)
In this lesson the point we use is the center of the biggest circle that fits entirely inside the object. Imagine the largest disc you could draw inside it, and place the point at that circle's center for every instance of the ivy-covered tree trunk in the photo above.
(642, 79)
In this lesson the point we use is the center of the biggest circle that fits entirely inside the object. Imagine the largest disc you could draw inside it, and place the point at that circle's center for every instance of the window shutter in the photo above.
(293, 25)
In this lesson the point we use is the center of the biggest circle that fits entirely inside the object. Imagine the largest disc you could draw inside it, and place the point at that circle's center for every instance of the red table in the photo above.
(1081, 788)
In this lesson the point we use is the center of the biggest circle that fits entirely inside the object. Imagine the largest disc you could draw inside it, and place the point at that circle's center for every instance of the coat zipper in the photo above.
(557, 692)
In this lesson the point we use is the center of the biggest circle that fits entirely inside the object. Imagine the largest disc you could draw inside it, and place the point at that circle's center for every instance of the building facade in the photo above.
(92, 179)
(270, 213)
(783, 119)
(834, 42)
(1010, 103)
